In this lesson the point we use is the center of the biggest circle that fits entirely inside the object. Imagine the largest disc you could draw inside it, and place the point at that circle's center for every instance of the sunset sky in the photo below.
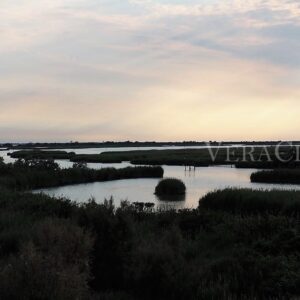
(93, 70)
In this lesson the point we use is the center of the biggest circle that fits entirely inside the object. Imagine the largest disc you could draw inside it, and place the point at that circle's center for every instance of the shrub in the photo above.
(54, 264)
(170, 186)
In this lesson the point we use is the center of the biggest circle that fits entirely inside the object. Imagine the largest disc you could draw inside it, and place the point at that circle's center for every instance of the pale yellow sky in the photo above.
(149, 70)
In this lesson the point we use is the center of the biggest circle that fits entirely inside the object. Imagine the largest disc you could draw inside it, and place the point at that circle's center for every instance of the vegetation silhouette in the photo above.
(240, 157)
(225, 249)
(170, 187)
(282, 176)
(238, 244)
(41, 154)
(34, 174)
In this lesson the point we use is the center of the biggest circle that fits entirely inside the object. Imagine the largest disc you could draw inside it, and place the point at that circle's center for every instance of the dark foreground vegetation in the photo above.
(34, 174)
(284, 176)
(170, 186)
(239, 244)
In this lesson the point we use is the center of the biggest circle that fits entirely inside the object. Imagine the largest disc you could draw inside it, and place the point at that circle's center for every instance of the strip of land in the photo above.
(28, 175)
(41, 154)
(242, 157)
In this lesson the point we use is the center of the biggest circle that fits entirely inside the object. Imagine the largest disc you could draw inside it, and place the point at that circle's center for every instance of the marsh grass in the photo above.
(283, 176)
(193, 157)
(247, 201)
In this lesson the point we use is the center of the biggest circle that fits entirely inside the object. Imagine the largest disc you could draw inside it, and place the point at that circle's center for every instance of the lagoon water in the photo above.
(198, 182)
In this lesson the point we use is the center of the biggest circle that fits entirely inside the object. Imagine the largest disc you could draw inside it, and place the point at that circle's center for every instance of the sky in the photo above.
(164, 70)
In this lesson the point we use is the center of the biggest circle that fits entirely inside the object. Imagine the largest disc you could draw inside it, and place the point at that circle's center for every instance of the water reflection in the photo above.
(171, 198)
(198, 183)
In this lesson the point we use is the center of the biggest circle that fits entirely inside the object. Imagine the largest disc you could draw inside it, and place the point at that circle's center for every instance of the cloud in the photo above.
(162, 69)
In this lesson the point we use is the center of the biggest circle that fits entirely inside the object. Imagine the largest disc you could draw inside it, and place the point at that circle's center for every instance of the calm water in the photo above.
(198, 182)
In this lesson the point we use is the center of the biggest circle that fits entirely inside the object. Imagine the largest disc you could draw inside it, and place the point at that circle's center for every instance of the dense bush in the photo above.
(170, 186)
(289, 176)
(52, 264)
(44, 254)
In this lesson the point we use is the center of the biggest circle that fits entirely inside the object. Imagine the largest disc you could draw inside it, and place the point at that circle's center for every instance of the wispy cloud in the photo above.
(139, 69)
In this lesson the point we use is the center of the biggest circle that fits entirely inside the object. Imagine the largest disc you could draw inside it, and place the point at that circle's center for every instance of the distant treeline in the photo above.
(108, 144)
(34, 174)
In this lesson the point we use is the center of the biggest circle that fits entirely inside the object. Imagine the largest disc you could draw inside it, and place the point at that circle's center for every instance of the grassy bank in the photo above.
(251, 202)
(27, 175)
(283, 176)
(246, 251)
